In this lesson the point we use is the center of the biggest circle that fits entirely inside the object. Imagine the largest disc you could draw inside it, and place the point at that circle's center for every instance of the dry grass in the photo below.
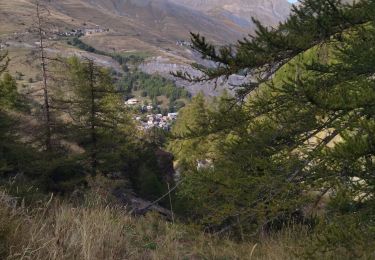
(94, 231)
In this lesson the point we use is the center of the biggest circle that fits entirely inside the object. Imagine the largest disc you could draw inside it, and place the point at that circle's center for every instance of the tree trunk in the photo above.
(47, 115)
(94, 160)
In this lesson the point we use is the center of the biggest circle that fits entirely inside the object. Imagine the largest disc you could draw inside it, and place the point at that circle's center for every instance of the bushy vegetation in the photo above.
(152, 87)
(130, 58)
(282, 170)
(98, 230)
(91, 133)
(84, 46)
(122, 58)
(298, 147)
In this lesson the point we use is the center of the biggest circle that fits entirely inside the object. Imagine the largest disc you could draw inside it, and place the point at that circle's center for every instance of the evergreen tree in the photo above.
(191, 118)
(8, 98)
(307, 122)
(4, 61)
(104, 127)
(8, 92)
(15, 157)
(228, 158)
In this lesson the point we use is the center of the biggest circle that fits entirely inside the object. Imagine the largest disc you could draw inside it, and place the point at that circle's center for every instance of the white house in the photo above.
(172, 116)
(132, 102)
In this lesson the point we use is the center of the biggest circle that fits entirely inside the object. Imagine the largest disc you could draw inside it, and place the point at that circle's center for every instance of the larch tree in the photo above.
(104, 127)
(9, 101)
(41, 28)
(307, 127)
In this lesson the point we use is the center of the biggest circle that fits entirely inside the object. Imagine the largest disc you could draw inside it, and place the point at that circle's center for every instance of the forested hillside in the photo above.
(280, 167)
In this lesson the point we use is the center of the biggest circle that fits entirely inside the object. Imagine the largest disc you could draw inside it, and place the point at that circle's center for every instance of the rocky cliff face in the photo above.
(236, 14)
(164, 67)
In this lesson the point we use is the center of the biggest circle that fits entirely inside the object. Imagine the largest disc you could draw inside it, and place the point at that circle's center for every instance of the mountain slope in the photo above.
(159, 23)
(269, 12)
(153, 27)
(151, 20)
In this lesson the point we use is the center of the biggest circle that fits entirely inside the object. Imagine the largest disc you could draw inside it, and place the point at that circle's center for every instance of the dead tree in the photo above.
(93, 111)
(43, 59)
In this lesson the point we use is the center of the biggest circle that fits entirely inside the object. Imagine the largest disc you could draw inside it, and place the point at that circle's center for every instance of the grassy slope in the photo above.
(94, 231)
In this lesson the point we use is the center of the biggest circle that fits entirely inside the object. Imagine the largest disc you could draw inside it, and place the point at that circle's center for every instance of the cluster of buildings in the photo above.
(148, 119)
(94, 31)
(80, 32)
(183, 43)
(135, 102)
(132, 102)
(157, 120)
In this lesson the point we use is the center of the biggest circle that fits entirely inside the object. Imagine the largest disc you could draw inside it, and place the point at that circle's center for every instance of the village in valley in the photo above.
(147, 117)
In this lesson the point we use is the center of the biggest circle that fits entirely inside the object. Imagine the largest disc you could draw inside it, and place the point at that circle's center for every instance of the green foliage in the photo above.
(236, 171)
(176, 106)
(150, 186)
(306, 126)
(8, 100)
(103, 126)
(65, 176)
(129, 58)
(83, 46)
(17, 160)
(298, 135)
(121, 58)
(4, 62)
(349, 232)
(8, 92)
(193, 118)
(94, 134)
(153, 85)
